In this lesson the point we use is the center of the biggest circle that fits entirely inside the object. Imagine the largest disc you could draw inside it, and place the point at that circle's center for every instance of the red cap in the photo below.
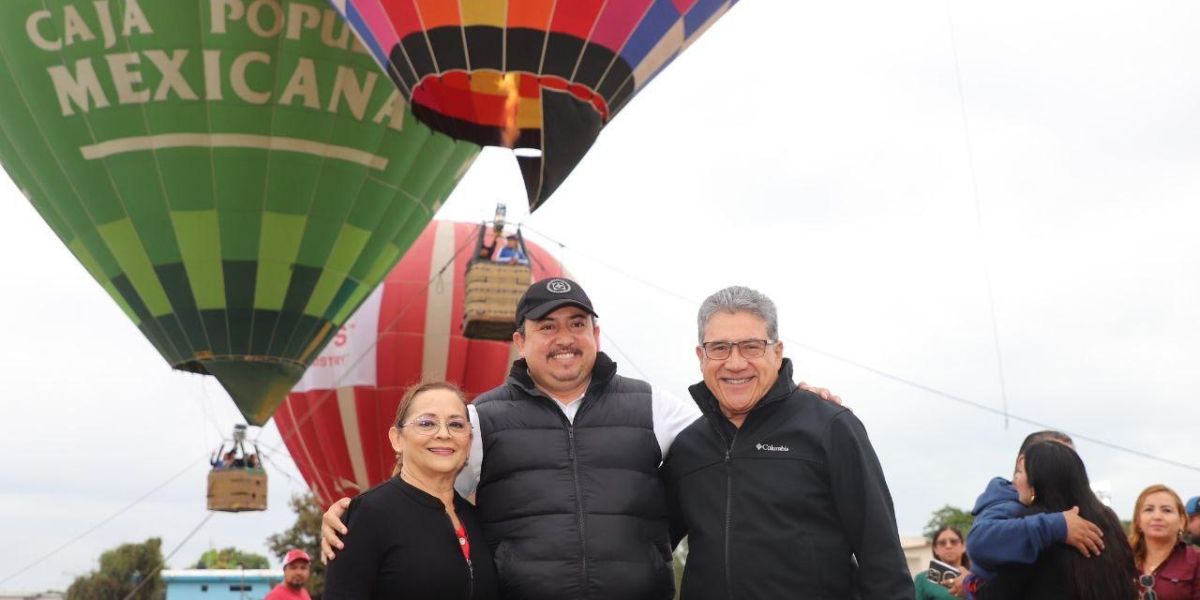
(294, 555)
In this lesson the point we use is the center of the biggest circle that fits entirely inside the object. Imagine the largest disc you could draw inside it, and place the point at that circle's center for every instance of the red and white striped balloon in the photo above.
(335, 421)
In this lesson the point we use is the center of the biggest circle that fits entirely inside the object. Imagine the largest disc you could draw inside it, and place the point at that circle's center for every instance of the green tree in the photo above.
(305, 534)
(231, 558)
(949, 515)
(123, 569)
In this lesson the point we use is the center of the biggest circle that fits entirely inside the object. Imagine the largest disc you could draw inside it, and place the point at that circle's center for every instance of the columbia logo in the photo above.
(770, 448)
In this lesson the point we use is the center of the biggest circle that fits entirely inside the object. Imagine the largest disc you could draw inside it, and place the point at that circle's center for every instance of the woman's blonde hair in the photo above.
(406, 403)
(1137, 540)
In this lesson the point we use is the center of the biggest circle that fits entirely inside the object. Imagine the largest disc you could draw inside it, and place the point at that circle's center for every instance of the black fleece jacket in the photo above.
(791, 505)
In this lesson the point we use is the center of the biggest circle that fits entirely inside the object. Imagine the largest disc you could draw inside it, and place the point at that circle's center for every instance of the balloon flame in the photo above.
(508, 85)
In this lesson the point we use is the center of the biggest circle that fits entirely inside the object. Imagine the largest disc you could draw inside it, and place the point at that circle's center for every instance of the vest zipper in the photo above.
(575, 479)
(578, 501)
(729, 514)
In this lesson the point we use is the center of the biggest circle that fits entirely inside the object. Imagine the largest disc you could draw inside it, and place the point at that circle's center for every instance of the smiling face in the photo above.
(560, 349)
(441, 454)
(1159, 517)
(739, 382)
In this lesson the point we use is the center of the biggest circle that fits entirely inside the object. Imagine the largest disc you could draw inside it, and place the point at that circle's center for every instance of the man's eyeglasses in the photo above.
(1147, 583)
(748, 348)
(430, 426)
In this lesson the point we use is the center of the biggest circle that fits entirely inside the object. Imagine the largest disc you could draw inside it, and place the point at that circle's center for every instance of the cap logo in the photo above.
(558, 286)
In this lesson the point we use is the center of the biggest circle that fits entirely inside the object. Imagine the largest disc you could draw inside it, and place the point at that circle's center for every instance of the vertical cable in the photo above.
(983, 246)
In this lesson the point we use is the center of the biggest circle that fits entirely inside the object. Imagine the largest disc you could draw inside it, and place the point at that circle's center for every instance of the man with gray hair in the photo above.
(780, 493)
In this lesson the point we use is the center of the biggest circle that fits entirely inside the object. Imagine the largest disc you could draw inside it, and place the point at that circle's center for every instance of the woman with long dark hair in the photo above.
(1051, 478)
(948, 547)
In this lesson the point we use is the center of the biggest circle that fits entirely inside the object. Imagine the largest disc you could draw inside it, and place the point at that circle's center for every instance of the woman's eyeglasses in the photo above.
(429, 426)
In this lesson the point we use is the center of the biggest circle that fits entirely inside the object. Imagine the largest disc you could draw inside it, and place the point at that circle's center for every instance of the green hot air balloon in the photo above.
(235, 173)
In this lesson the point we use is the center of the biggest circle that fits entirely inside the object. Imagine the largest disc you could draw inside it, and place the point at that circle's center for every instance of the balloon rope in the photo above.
(103, 522)
(270, 459)
(147, 578)
(983, 245)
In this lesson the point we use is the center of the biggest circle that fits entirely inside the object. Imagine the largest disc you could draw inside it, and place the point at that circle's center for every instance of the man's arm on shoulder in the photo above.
(1000, 535)
(865, 509)
(672, 414)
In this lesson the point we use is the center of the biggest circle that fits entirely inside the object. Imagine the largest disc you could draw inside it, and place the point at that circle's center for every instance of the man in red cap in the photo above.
(295, 577)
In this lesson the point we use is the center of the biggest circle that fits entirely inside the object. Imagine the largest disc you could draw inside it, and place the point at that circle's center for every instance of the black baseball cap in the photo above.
(548, 295)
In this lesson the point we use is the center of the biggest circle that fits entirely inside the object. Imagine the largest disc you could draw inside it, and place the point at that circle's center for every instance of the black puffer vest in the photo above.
(574, 510)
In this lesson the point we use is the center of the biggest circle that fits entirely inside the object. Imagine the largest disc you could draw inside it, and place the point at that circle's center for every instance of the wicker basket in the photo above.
(237, 490)
(491, 296)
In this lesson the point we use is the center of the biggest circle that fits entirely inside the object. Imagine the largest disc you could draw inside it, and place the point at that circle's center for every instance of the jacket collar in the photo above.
(783, 387)
(419, 495)
(602, 373)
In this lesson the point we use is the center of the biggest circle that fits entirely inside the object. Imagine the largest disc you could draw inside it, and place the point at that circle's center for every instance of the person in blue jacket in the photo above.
(1001, 536)
(511, 253)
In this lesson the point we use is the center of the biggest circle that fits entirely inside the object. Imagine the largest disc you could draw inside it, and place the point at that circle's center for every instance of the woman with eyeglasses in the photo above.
(949, 548)
(413, 536)
(1051, 478)
(1168, 569)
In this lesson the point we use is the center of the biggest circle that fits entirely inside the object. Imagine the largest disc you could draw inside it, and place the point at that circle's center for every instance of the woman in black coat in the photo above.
(1051, 478)
(413, 536)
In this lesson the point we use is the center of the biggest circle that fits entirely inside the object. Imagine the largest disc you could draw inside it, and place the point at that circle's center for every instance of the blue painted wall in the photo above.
(220, 584)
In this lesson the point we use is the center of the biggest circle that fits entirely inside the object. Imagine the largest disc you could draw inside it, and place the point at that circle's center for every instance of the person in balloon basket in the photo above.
(511, 253)
(413, 536)
(779, 492)
(295, 577)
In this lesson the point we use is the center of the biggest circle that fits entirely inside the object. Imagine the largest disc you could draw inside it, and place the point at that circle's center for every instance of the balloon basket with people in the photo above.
(237, 481)
(495, 280)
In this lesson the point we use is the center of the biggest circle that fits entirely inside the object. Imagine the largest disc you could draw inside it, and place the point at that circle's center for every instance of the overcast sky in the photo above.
(815, 151)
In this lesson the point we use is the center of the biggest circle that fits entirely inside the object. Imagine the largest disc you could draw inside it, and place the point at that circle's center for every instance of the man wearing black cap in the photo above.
(564, 462)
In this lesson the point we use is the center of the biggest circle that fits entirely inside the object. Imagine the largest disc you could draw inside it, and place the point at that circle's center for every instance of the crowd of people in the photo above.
(231, 459)
(1045, 535)
(585, 480)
